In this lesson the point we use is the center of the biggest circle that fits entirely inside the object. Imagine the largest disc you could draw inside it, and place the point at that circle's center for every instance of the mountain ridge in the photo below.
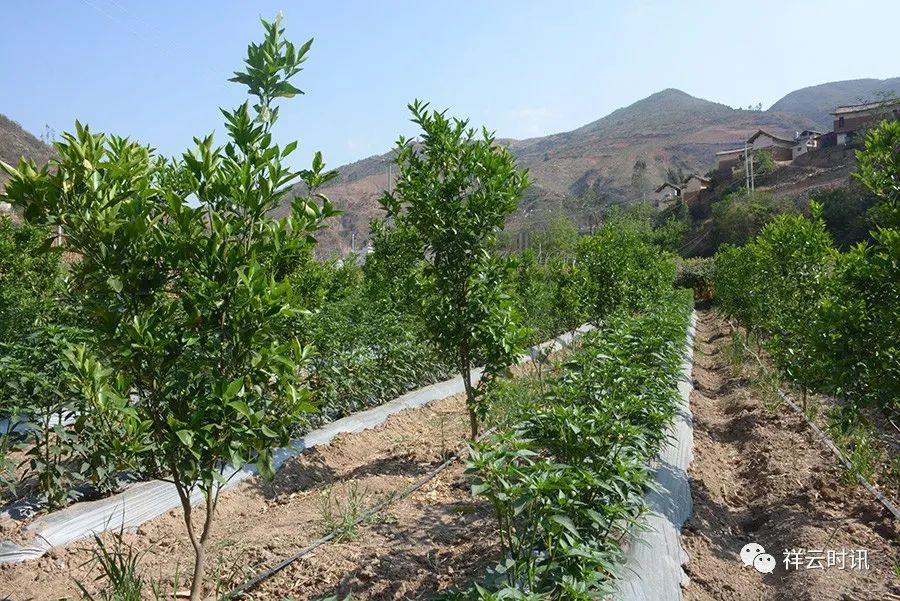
(816, 102)
(667, 129)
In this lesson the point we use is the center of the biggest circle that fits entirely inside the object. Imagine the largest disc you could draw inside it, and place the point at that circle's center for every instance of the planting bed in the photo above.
(759, 476)
(437, 537)
(261, 522)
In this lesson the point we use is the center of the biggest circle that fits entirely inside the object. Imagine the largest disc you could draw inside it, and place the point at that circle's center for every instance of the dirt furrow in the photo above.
(758, 477)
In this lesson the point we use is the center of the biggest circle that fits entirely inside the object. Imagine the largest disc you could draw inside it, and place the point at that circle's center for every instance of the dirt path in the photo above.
(758, 477)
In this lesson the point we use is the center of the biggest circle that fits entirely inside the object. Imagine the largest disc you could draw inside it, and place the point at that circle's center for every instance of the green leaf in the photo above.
(233, 388)
(186, 437)
(265, 465)
(565, 522)
(241, 407)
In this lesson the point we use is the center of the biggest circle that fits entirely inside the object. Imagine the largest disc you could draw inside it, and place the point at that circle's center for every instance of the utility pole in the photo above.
(353, 242)
(746, 168)
(752, 172)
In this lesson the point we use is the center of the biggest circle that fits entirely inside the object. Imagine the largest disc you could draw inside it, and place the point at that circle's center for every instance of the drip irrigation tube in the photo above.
(825, 441)
(266, 574)
(145, 501)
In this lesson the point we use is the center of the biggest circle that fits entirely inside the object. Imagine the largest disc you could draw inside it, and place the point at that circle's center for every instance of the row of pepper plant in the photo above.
(568, 481)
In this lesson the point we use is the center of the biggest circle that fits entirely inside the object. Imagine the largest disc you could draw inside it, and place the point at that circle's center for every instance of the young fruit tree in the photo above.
(456, 189)
(180, 269)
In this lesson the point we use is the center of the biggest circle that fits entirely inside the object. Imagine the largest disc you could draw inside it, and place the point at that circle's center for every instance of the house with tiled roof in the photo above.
(781, 148)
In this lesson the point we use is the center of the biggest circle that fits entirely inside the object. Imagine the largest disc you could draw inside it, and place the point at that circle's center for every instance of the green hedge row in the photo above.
(830, 321)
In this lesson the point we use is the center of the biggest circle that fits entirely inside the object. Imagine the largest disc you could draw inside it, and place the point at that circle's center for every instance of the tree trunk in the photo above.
(466, 373)
(473, 423)
(199, 569)
(470, 401)
(198, 543)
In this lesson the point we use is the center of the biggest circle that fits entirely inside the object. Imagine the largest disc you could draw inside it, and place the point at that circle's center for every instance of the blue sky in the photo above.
(157, 70)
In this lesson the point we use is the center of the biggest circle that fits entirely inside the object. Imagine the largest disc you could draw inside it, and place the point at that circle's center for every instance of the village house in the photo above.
(695, 183)
(850, 119)
(728, 161)
(692, 187)
(804, 141)
(665, 195)
(781, 148)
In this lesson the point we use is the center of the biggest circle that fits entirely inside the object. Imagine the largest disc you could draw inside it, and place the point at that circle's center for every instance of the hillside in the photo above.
(816, 102)
(569, 170)
(15, 143)
(669, 128)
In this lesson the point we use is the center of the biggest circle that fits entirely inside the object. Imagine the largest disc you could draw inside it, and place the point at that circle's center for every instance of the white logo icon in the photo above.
(754, 555)
(764, 563)
(750, 551)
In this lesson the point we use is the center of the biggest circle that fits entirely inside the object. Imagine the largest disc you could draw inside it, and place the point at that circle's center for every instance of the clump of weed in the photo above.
(341, 517)
(766, 384)
(444, 420)
(509, 400)
(226, 576)
(119, 568)
(383, 516)
(735, 353)
(858, 444)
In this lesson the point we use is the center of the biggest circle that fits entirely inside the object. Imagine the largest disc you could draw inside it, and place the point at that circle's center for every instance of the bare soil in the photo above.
(759, 476)
(423, 542)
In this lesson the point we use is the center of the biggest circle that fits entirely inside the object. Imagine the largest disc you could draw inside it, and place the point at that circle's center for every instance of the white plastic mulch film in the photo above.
(145, 501)
(653, 571)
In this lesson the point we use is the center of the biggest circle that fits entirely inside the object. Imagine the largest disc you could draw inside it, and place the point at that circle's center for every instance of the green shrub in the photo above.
(366, 353)
(697, 274)
(622, 270)
(455, 190)
(182, 276)
(796, 266)
(845, 213)
(741, 215)
(29, 278)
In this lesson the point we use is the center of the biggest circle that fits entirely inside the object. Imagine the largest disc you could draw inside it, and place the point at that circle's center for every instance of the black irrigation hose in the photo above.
(265, 575)
(829, 444)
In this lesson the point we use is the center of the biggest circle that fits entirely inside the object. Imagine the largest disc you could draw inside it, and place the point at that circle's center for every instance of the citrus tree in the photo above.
(179, 269)
(455, 189)
(796, 267)
(621, 268)
(866, 314)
